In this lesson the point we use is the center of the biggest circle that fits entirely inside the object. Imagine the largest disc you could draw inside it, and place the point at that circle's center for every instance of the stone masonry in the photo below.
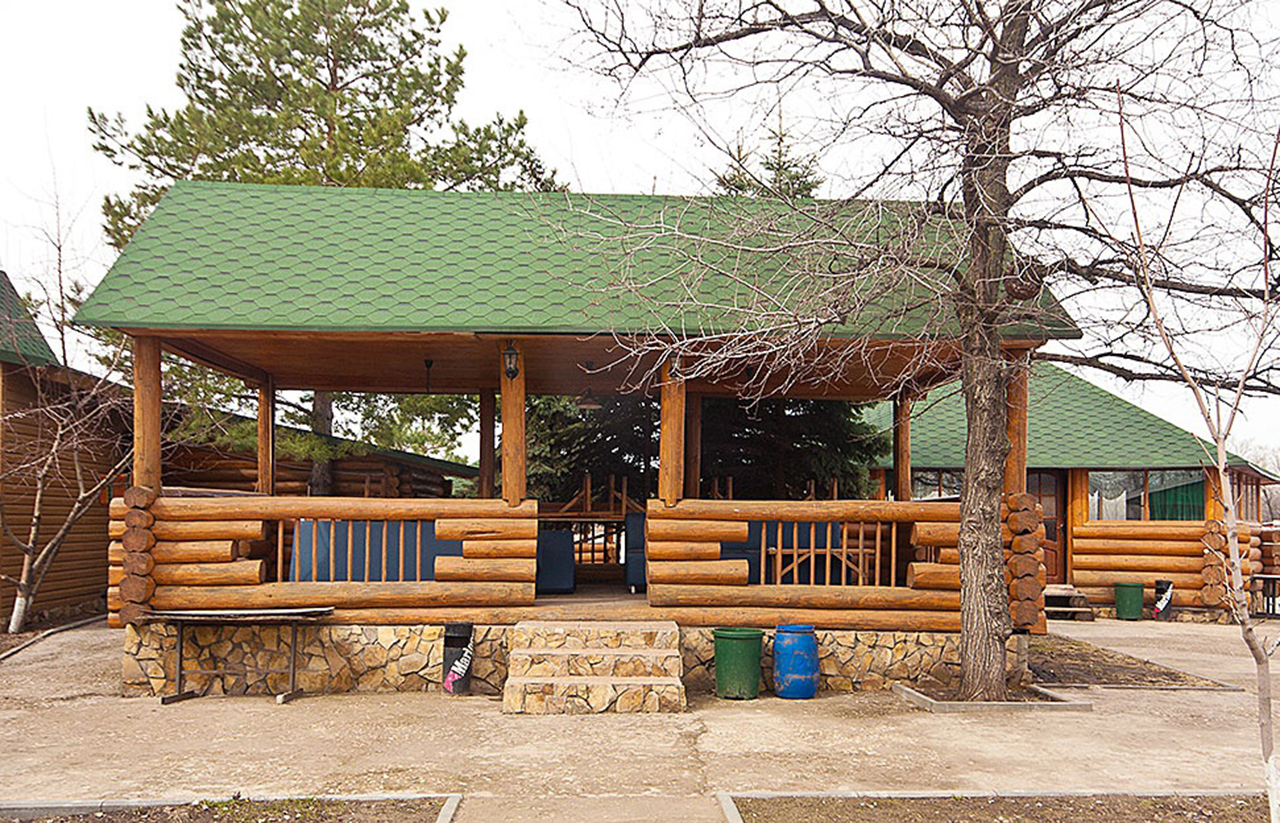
(336, 659)
(331, 659)
(847, 660)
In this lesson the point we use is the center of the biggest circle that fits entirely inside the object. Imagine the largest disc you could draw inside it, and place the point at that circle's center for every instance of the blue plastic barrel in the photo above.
(795, 662)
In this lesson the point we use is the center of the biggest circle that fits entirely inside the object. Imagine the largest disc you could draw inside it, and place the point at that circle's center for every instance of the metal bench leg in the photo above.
(294, 692)
(179, 693)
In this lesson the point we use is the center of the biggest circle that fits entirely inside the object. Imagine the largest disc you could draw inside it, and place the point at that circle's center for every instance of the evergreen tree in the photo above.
(318, 92)
(782, 173)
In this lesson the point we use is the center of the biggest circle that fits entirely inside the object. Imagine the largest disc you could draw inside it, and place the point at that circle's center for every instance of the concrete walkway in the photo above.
(65, 735)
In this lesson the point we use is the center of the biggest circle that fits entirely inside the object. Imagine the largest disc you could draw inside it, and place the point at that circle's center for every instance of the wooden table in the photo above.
(239, 617)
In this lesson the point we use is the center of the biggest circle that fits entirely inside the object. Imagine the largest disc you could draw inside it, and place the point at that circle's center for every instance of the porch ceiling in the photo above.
(392, 362)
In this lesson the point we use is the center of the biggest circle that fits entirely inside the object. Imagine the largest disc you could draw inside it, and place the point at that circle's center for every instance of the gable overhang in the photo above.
(555, 364)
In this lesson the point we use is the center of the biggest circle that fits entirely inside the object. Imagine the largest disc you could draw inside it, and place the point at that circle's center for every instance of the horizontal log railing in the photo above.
(794, 554)
(218, 552)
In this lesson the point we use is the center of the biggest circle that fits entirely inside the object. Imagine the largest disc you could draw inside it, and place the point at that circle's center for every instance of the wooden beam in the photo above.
(902, 447)
(1016, 402)
(207, 355)
(671, 439)
(146, 412)
(267, 437)
(169, 509)
(513, 434)
(693, 445)
(488, 412)
(807, 511)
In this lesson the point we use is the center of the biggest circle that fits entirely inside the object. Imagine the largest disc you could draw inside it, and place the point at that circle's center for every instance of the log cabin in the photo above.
(499, 295)
(29, 374)
(1124, 492)
(76, 582)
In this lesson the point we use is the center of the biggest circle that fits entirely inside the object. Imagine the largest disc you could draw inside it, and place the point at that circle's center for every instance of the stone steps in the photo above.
(584, 634)
(589, 667)
(620, 662)
(592, 695)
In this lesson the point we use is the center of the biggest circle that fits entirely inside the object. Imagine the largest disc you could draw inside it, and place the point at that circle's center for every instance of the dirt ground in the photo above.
(1097, 809)
(67, 735)
(1057, 660)
(283, 811)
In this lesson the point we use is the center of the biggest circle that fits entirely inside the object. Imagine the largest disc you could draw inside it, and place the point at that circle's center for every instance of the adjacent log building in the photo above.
(1125, 493)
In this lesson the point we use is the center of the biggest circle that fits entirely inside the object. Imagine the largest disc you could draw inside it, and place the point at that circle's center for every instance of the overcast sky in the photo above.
(58, 57)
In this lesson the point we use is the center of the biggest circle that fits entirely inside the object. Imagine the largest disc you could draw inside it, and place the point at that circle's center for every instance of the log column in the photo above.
(267, 437)
(513, 437)
(146, 413)
(487, 414)
(693, 446)
(671, 439)
(1025, 562)
(137, 585)
(902, 404)
(1016, 401)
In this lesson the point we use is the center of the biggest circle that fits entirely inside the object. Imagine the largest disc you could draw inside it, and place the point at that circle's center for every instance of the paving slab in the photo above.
(521, 809)
(66, 735)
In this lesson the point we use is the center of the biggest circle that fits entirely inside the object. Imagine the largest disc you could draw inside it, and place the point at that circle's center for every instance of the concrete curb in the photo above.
(728, 808)
(984, 794)
(1055, 703)
(27, 809)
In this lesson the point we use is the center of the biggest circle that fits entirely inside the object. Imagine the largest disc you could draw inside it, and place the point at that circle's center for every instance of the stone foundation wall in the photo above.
(1180, 615)
(336, 659)
(847, 660)
(331, 659)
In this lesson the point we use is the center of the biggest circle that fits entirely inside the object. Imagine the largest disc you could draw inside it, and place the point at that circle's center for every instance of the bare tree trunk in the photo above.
(21, 604)
(985, 625)
(1255, 644)
(321, 480)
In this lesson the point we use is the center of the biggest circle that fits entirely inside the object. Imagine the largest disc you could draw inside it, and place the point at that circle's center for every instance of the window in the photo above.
(927, 484)
(1155, 494)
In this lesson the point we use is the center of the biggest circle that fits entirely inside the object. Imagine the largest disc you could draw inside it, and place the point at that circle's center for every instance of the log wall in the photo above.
(1143, 551)
(78, 574)
(216, 553)
(371, 475)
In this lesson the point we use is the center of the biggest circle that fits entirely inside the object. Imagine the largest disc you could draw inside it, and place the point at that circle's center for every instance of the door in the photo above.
(1049, 487)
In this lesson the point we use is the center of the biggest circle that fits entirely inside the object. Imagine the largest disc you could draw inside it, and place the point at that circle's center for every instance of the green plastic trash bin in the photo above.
(738, 663)
(1129, 601)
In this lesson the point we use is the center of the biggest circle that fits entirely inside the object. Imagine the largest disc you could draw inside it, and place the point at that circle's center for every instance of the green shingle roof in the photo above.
(1072, 424)
(20, 339)
(262, 257)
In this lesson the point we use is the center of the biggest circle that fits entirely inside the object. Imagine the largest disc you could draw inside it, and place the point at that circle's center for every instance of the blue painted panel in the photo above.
(410, 553)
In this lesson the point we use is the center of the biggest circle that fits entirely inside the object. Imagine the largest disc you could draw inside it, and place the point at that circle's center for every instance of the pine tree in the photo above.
(318, 92)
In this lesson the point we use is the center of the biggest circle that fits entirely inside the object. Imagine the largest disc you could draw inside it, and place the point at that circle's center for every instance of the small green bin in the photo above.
(738, 663)
(1129, 601)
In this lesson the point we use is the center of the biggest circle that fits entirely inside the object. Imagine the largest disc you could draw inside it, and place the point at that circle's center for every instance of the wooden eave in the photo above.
(556, 364)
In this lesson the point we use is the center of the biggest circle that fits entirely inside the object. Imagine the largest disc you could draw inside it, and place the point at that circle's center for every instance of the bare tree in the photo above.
(1220, 406)
(64, 434)
(979, 166)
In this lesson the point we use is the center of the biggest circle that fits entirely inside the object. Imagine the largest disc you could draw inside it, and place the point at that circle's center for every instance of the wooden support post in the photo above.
(671, 439)
(1213, 508)
(146, 412)
(693, 446)
(902, 447)
(513, 443)
(1016, 401)
(267, 437)
(488, 412)
(1077, 513)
